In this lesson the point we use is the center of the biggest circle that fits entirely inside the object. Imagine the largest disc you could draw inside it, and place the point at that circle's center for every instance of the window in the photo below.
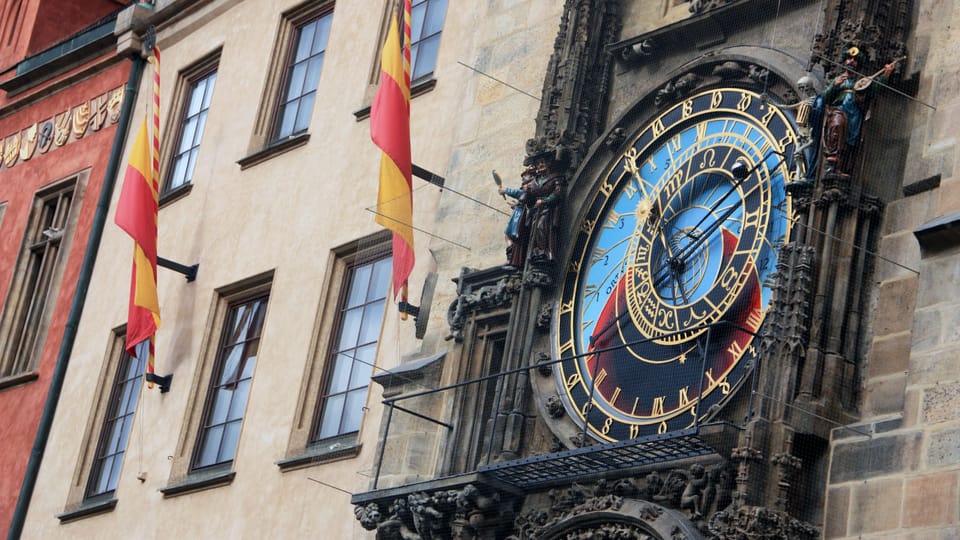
(108, 429)
(230, 384)
(426, 24)
(216, 406)
(335, 383)
(351, 360)
(301, 76)
(117, 422)
(192, 122)
(37, 277)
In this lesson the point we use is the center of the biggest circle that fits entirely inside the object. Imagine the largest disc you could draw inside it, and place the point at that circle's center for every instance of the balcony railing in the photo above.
(473, 410)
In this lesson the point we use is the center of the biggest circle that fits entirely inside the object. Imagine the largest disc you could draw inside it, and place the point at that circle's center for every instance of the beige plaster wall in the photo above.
(285, 215)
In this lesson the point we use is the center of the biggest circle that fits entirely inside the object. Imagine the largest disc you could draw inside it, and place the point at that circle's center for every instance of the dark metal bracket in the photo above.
(189, 272)
(162, 381)
(409, 309)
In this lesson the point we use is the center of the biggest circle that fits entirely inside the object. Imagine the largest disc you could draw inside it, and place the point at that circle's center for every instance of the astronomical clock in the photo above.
(670, 270)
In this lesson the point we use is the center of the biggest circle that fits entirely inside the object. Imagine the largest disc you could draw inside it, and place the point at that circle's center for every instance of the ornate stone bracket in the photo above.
(468, 513)
(480, 290)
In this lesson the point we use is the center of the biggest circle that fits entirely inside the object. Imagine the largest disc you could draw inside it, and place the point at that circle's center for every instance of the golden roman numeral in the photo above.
(615, 395)
(602, 376)
(657, 409)
(684, 400)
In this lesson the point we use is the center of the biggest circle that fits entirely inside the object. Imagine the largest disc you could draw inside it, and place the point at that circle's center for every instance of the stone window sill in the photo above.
(88, 508)
(322, 453)
(199, 482)
(18, 379)
(419, 88)
(274, 149)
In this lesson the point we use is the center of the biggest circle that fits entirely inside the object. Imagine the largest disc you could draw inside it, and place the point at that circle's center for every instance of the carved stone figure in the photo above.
(517, 231)
(547, 193)
(809, 115)
(846, 99)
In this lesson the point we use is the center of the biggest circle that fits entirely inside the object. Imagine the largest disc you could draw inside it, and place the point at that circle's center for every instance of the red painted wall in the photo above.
(21, 406)
(31, 26)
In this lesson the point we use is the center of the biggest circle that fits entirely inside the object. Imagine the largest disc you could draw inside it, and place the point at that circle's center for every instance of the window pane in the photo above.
(380, 283)
(372, 319)
(125, 424)
(191, 164)
(434, 20)
(305, 42)
(297, 75)
(350, 329)
(289, 117)
(208, 94)
(312, 77)
(221, 402)
(358, 285)
(323, 32)
(353, 411)
(179, 171)
(186, 138)
(363, 366)
(427, 57)
(332, 411)
(417, 15)
(201, 123)
(114, 474)
(103, 479)
(210, 446)
(341, 373)
(231, 365)
(228, 447)
(303, 115)
(196, 97)
(239, 400)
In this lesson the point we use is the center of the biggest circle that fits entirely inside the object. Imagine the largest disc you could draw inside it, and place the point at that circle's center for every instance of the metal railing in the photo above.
(456, 408)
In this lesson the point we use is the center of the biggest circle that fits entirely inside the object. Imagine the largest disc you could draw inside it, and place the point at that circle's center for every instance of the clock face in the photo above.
(671, 268)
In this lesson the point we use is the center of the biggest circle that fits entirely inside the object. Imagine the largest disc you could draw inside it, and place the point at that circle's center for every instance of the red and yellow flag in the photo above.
(137, 215)
(390, 130)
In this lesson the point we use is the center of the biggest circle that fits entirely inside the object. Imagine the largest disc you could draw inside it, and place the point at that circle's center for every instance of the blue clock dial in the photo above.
(671, 270)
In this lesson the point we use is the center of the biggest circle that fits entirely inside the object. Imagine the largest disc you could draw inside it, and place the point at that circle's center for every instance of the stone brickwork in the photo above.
(901, 481)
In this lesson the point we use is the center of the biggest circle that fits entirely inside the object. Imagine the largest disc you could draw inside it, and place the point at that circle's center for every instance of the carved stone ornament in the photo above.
(61, 131)
(756, 523)
(482, 298)
(544, 317)
(602, 510)
(544, 364)
(537, 277)
(11, 150)
(45, 137)
(466, 513)
(81, 118)
(698, 7)
(28, 142)
(570, 118)
(555, 406)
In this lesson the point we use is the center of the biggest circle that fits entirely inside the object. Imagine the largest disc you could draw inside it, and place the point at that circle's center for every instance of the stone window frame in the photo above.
(79, 503)
(302, 451)
(208, 65)
(183, 477)
(16, 368)
(263, 145)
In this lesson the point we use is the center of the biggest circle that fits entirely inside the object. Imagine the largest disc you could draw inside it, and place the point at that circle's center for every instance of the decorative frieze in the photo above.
(71, 125)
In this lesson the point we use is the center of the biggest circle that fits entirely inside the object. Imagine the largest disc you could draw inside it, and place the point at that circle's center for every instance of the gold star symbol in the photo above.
(682, 358)
(643, 210)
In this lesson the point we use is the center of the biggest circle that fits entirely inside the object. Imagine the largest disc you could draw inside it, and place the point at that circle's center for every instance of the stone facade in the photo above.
(846, 427)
